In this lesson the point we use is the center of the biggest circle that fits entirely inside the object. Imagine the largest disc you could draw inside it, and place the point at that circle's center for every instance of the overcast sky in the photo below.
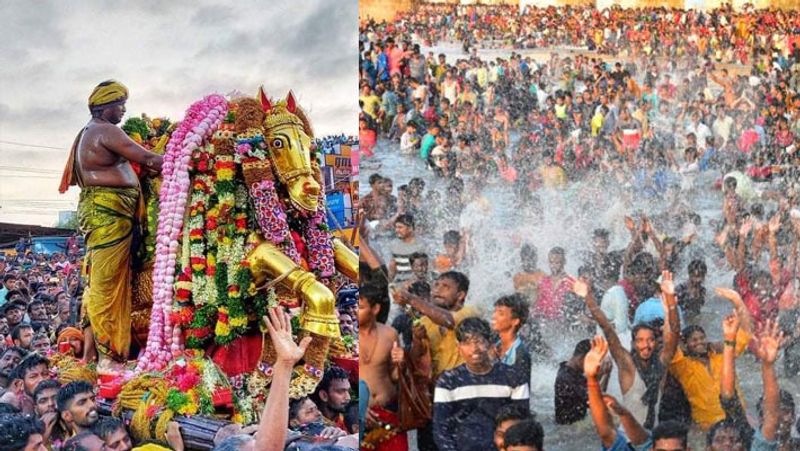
(169, 54)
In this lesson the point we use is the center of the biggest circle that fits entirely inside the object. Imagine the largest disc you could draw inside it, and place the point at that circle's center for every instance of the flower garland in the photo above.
(201, 119)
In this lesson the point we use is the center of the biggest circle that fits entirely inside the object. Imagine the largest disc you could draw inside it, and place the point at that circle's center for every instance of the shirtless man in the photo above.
(100, 164)
(380, 357)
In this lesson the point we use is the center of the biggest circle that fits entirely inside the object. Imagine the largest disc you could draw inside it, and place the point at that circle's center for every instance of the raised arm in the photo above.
(745, 320)
(436, 314)
(636, 433)
(730, 328)
(774, 258)
(621, 356)
(673, 325)
(600, 415)
(769, 341)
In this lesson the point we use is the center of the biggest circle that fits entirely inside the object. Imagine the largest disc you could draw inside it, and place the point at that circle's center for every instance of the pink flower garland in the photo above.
(200, 122)
(318, 242)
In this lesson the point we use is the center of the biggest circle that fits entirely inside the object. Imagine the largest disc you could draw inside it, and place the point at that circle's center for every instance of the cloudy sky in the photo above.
(169, 54)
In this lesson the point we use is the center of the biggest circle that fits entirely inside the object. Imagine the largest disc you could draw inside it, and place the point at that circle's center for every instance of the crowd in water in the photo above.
(649, 110)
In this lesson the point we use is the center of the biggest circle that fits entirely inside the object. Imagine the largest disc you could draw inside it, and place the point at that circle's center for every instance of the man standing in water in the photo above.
(108, 212)
(380, 357)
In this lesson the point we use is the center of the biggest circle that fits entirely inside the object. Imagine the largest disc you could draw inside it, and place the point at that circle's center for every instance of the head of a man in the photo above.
(10, 359)
(725, 435)
(113, 433)
(527, 435)
(14, 312)
(449, 290)
(303, 411)
(474, 341)
(419, 265)
(697, 273)
(20, 432)
(557, 260)
(529, 258)
(510, 313)
(77, 405)
(333, 391)
(509, 415)
(40, 343)
(44, 397)
(670, 436)
(31, 370)
(22, 334)
(644, 341)
(404, 226)
(37, 311)
(107, 101)
(601, 241)
(694, 340)
(85, 441)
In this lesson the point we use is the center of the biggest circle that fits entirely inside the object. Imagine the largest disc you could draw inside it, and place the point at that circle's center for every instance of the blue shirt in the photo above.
(651, 310)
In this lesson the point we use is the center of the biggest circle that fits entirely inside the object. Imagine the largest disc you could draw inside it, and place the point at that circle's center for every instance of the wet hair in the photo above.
(727, 423)
(452, 237)
(528, 252)
(525, 433)
(15, 430)
(22, 352)
(107, 426)
(473, 327)
(45, 385)
(17, 330)
(417, 256)
(582, 348)
(689, 330)
(28, 362)
(671, 429)
(406, 219)
(557, 251)
(697, 266)
(74, 443)
(461, 280)
(376, 294)
(68, 392)
(601, 233)
(294, 407)
(641, 326)
(512, 412)
(643, 263)
(375, 178)
(519, 308)
(333, 373)
(420, 288)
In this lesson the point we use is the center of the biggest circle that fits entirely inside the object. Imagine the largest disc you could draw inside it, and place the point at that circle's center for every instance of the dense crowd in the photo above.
(41, 408)
(651, 118)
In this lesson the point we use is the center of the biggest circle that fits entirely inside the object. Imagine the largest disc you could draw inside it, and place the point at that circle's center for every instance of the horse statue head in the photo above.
(288, 135)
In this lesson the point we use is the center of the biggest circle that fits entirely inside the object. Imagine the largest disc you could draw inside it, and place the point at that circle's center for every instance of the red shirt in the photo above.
(551, 298)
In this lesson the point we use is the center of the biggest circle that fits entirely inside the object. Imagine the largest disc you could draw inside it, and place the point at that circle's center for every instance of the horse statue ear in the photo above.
(291, 104)
(265, 103)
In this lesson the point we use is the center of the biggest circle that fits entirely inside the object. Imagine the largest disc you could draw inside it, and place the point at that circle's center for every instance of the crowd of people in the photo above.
(698, 160)
(40, 300)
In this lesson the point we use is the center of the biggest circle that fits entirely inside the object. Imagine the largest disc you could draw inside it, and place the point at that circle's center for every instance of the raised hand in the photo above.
(769, 342)
(729, 294)
(279, 327)
(730, 326)
(667, 284)
(614, 405)
(774, 224)
(594, 358)
(580, 287)
(744, 230)
(629, 224)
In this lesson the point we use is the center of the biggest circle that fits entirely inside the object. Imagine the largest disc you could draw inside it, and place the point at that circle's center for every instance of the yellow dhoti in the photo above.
(107, 217)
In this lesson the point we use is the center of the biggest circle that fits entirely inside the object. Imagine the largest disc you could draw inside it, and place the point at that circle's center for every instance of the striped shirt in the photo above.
(401, 253)
(465, 405)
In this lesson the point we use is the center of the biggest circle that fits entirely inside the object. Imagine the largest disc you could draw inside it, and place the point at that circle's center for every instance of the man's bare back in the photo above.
(376, 371)
(104, 154)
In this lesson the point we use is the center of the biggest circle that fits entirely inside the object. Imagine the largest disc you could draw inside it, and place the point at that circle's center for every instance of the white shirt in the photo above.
(615, 306)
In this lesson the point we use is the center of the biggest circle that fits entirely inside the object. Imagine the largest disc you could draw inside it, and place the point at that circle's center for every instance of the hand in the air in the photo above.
(594, 358)
(279, 327)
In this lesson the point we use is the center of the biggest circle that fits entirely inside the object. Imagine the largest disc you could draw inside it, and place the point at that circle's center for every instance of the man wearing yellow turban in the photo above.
(108, 213)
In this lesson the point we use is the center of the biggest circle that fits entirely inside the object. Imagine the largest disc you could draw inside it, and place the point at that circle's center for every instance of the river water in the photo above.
(498, 226)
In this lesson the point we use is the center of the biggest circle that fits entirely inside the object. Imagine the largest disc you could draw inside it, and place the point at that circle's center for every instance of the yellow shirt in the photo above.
(444, 347)
(371, 104)
(553, 176)
(701, 386)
